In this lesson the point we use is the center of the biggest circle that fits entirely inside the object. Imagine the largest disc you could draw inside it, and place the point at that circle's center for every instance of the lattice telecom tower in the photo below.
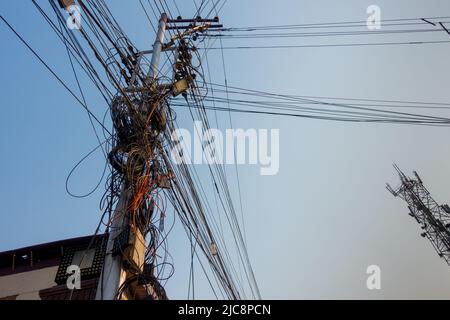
(433, 218)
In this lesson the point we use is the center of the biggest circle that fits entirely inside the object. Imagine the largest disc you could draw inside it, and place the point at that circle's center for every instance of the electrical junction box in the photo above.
(130, 243)
(180, 86)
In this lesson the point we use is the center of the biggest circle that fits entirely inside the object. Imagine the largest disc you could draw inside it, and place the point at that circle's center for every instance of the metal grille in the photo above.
(89, 272)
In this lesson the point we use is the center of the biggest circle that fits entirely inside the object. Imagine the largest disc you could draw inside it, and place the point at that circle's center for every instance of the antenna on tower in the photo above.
(433, 218)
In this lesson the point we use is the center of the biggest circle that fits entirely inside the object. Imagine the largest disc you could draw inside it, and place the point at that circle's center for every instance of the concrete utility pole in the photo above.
(157, 47)
(113, 274)
(126, 249)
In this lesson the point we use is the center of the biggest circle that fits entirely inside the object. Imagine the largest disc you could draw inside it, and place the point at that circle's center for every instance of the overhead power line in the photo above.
(53, 73)
(330, 45)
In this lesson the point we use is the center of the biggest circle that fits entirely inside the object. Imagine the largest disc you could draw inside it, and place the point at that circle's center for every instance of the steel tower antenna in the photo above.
(433, 218)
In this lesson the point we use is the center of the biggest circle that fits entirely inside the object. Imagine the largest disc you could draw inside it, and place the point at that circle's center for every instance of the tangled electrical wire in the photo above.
(142, 169)
(143, 182)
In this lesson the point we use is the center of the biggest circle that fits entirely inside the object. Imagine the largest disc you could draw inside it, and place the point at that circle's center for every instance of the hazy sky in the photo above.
(314, 228)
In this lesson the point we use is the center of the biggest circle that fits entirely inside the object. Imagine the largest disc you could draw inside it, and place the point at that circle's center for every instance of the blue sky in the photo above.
(313, 229)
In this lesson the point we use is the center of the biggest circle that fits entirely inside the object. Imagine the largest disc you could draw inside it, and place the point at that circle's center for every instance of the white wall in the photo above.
(27, 284)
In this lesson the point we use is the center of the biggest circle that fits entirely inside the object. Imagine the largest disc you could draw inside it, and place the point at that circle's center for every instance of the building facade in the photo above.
(40, 272)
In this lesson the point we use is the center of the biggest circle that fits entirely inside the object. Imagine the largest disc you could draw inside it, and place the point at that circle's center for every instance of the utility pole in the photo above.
(138, 120)
(113, 274)
(433, 218)
(157, 47)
